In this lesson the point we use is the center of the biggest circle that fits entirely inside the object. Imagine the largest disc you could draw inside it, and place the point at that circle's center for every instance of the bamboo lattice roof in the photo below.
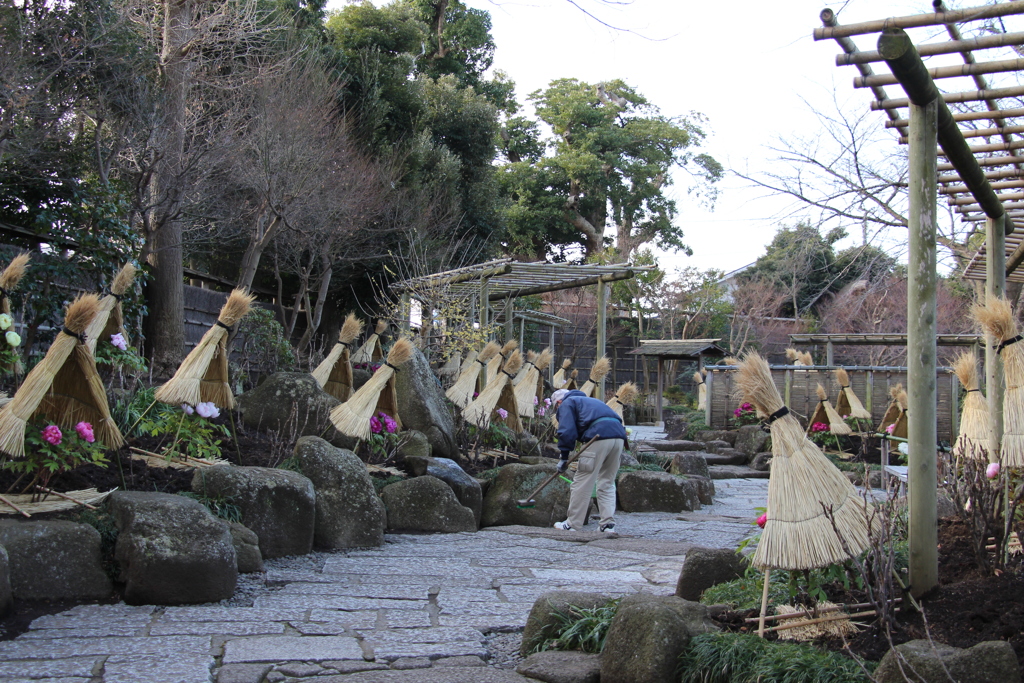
(507, 278)
(993, 114)
(882, 339)
(679, 348)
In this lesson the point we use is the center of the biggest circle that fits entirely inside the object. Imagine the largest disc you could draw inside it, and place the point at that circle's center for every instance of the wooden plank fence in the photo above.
(798, 387)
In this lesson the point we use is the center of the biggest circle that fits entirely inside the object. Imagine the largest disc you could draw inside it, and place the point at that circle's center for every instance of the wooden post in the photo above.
(522, 333)
(602, 331)
(829, 357)
(555, 360)
(707, 399)
(869, 392)
(484, 321)
(657, 418)
(788, 386)
(406, 312)
(995, 285)
(510, 329)
(921, 351)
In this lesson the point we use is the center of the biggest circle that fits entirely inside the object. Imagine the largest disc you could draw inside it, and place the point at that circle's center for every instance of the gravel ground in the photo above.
(504, 649)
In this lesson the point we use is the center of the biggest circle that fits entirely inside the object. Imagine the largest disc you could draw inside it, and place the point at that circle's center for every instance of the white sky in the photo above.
(751, 67)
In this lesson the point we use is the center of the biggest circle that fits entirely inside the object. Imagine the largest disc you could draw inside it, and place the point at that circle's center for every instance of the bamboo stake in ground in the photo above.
(378, 394)
(848, 403)
(972, 441)
(334, 374)
(498, 395)
(996, 316)
(798, 533)
(561, 375)
(597, 374)
(110, 318)
(461, 393)
(371, 351)
(625, 395)
(203, 376)
(63, 388)
(702, 389)
(530, 389)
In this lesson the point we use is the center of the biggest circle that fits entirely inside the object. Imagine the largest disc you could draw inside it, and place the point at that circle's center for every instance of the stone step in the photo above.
(734, 458)
(677, 445)
(736, 472)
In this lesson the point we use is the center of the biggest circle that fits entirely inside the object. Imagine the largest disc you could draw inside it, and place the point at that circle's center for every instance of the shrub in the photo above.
(581, 628)
(224, 507)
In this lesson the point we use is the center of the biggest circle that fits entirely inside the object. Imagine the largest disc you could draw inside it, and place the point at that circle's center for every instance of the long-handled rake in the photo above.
(530, 501)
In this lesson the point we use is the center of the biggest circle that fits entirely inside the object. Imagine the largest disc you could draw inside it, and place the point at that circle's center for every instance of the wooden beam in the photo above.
(916, 20)
(570, 284)
(1001, 66)
(946, 48)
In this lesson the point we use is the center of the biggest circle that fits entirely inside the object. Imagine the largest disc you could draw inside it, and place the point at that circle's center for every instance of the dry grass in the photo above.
(63, 388)
(378, 395)
(531, 382)
(625, 395)
(799, 533)
(558, 381)
(974, 418)
(996, 316)
(461, 393)
(203, 376)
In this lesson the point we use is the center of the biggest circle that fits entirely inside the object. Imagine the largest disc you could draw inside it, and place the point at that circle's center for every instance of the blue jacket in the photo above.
(580, 419)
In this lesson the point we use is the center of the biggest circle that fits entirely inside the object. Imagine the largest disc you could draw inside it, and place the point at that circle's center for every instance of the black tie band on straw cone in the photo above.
(226, 327)
(79, 337)
(1004, 344)
(767, 422)
(393, 367)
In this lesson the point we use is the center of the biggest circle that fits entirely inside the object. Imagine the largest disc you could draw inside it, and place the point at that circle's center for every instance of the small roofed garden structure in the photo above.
(690, 350)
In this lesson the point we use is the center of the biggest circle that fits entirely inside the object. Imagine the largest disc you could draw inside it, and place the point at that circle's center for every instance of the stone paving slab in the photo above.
(213, 628)
(166, 669)
(78, 647)
(53, 668)
(431, 675)
(289, 648)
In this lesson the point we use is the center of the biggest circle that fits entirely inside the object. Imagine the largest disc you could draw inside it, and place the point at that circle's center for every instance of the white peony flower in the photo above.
(13, 339)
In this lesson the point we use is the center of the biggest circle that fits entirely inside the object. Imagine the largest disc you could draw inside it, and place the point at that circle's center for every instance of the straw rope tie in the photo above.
(226, 327)
(80, 337)
(767, 422)
(393, 367)
(1004, 344)
(507, 373)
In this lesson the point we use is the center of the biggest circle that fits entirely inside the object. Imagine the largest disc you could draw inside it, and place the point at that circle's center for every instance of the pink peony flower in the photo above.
(992, 471)
(737, 412)
(762, 520)
(187, 409)
(547, 402)
(207, 410)
(891, 428)
(747, 407)
(475, 394)
(535, 401)
(52, 435)
(375, 426)
(390, 426)
(84, 430)
(540, 412)
(502, 413)
(119, 341)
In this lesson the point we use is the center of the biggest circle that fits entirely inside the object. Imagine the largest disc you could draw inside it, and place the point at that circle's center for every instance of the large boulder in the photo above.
(171, 550)
(278, 505)
(690, 463)
(515, 482)
(349, 514)
(705, 488)
(6, 596)
(293, 404)
(709, 435)
(466, 488)
(554, 666)
(423, 407)
(707, 567)
(426, 504)
(414, 444)
(926, 662)
(247, 548)
(545, 616)
(750, 440)
(647, 635)
(646, 491)
(54, 560)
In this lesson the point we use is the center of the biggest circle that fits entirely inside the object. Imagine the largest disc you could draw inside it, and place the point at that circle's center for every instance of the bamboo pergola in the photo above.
(969, 176)
(504, 280)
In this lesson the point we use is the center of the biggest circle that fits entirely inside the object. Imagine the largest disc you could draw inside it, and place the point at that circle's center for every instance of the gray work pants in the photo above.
(598, 463)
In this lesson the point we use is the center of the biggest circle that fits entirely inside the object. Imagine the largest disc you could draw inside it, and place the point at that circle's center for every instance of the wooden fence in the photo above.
(798, 387)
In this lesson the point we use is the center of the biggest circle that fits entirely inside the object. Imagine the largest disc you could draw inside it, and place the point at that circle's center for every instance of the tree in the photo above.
(613, 154)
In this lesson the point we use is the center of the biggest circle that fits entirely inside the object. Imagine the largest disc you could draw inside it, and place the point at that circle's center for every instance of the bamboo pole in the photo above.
(602, 329)
(14, 507)
(61, 495)
(916, 20)
(821, 620)
(808, 613)
(995, 286)
(945, 48)
(764, 602)
(999, 115)
(1000, 66)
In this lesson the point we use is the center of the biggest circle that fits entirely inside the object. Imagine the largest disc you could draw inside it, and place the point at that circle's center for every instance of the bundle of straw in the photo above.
(702, 390)
(452, 366)
(805, 358)
(9, 280)
(974, 419)
(798, 533)
(334, 374)
(731, 360)
(793, 356)
(468, 362)
(894, 411)
(531, 385)
(110, 319)
(495, 363)
(627, 393)
(461, 393)
(378, 395)
(570, 383)
(558, 381)
(498, 393)
(371, 351)
(827, 414)
(203, 375)
(63, 388)
(996, 316)
(597, 374)
(531, 358)
(848, 403)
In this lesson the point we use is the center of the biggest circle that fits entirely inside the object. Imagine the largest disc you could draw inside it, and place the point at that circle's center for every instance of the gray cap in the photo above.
(559, 395)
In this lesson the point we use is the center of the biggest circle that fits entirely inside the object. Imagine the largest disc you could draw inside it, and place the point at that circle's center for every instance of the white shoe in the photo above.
(564, 526)
(608, 528)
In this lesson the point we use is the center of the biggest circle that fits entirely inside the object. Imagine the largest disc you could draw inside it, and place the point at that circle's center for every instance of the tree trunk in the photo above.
(261, 239)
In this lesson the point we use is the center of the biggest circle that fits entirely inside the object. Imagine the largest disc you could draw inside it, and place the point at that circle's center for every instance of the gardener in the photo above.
(581, 418)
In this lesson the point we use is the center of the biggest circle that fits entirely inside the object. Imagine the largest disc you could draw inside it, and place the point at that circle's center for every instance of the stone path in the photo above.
(421, 608)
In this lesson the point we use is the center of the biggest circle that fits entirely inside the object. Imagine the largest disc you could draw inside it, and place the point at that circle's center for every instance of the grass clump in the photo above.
(224, 507)
(745, 592)
(745, 658)
(582, 629)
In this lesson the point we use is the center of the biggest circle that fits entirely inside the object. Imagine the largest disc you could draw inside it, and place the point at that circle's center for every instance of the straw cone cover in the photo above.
(110, 319)
(353, 416)
(334, 374)
(531, 383)
(503, 356)
(848, 402)
(702, 390)
(597, 374)
(996, 316)
(973, 440)
(371, 351)
(498, 393)
(798, 533)
(558, 381)
(461, 393)
(625, 395)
